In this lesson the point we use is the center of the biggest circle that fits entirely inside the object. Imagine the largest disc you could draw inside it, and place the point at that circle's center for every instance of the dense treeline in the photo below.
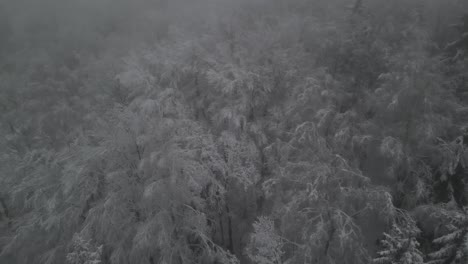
(262, 131)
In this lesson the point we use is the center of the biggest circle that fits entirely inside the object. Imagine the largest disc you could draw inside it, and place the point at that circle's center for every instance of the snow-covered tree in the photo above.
(265, 246)
(451, 237)
(84, 252)
(400, 245)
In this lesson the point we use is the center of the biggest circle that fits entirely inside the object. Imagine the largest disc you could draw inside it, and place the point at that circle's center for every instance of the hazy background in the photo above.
(223, 131)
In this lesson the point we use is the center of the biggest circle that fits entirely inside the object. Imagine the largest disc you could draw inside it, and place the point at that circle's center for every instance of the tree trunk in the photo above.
(5, 208)
(230, 245)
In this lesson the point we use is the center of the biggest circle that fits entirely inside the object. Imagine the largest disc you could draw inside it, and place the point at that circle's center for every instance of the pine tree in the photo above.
(452, 243)
(400, 245)
(84, 252)
(265, 246)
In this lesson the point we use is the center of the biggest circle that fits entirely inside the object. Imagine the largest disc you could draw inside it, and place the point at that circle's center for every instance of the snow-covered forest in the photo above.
(233, 131)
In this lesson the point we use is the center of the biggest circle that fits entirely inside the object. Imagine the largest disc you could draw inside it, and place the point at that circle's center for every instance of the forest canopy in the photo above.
(222, 131)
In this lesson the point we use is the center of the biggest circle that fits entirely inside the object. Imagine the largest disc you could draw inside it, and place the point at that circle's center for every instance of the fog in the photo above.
(233, 131)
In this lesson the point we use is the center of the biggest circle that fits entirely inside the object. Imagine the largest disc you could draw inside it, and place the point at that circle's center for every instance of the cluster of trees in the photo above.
(261, 131)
